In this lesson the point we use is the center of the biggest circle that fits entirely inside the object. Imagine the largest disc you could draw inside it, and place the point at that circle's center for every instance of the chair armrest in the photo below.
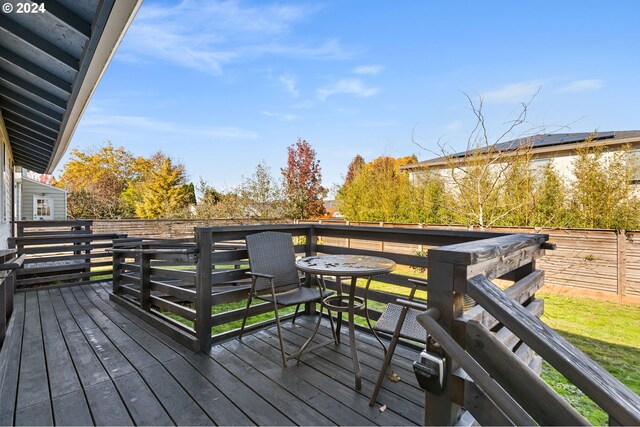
(264, 276)
(411, 304)
(421, 284)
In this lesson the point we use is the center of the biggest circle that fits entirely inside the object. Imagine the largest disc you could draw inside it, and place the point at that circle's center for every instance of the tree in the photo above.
(190, 192)
(208, 194)
(491, 181)
(96, 179)
(354, 167)
(551, 199)
(208, 200)
(164, 191)
(380, 191)
(602, 195)
(302, 181)
(260, 195)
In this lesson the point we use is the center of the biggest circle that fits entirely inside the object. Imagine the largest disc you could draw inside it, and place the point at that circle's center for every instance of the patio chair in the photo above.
(275, 279)
(399, 321)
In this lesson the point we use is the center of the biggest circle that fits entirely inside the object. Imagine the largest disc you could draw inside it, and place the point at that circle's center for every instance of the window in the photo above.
(42, 207)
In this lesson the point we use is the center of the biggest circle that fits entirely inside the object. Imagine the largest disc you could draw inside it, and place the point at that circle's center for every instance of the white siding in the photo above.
(6, 191)
(562, 162)
(31, 188)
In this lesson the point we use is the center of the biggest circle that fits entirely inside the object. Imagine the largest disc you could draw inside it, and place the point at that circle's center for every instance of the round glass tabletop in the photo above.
(345, 265)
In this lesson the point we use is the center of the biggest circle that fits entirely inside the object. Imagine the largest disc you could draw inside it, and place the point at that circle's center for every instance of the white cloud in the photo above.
(581, 85)
(205, 35)
(287, 117)
(127, 124)
(347, 86)
(290, 83)
(516, 92)
(368, 69)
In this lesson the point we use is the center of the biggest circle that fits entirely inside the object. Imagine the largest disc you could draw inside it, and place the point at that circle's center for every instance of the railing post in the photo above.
(447, 282)
(3, 308)
(311, 248)
(117, 270)
(202, 325)
(621, 262)
(145, 279)
(10, 291)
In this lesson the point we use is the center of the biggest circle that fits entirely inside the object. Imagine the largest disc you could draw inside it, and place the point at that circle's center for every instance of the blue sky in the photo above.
(221, 86)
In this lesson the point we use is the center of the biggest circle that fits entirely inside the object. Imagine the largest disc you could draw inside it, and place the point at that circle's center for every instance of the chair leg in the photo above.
(383, 370)
(284, 355)
(366, 315)
(293, 321)
(246, 313)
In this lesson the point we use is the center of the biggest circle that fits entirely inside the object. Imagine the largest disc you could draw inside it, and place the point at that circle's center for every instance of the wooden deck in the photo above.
(74, 358)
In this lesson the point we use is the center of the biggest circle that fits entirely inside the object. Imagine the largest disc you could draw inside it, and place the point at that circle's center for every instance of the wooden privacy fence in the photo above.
(491, 348)
(613, 256)
(10, 261)
(61, 253)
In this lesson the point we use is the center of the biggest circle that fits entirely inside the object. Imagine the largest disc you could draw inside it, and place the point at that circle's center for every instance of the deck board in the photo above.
(340, 365)
(300, 412)
(106, 405)
(62, 374)
(10, 360)
(33, 385)
(72, 409)
(92, 362)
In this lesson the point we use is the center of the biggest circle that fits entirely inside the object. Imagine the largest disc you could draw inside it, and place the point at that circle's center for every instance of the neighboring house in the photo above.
(558, 149)
(50, 65)
(332, 212)
(35, 200)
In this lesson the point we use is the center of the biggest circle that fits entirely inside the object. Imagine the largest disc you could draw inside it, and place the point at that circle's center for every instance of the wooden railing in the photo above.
(61, 253)
(220, 282)
(10, 261)
(156, 280)
(492, 350)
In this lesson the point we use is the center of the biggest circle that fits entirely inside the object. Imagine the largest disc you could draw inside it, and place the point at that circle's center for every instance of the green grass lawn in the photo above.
(607, 332)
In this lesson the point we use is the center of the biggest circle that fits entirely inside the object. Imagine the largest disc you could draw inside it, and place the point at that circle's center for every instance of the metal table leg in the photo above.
(352, 333)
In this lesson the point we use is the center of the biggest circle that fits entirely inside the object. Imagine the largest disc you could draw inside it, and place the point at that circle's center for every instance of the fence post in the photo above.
(447, 282)
(621, 261)
(202, 325)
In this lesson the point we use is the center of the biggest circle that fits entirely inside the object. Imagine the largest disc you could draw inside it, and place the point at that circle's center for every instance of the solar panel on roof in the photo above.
(546, 140)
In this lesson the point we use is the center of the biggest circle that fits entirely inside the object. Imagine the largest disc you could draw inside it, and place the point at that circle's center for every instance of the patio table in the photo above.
(354, 266)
